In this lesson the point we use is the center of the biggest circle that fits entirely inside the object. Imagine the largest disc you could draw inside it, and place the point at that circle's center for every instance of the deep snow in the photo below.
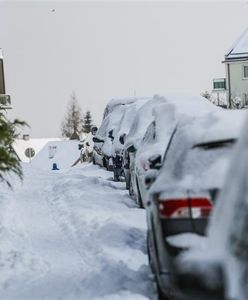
(72, 234)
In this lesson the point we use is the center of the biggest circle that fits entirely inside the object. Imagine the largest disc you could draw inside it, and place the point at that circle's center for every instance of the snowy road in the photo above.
(72, 235)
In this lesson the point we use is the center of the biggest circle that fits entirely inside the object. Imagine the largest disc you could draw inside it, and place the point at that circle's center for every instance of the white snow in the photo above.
(113, 103)
(186, 240)
(183, 166)
(20, 145)
(72, 234)
(167, 109)
(63, 153)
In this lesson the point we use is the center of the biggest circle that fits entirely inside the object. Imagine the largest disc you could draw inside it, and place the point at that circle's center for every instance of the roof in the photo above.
(1, 53)
(37, 144)
(239, 50)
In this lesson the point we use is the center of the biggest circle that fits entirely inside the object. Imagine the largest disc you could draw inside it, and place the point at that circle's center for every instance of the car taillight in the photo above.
(185, 208)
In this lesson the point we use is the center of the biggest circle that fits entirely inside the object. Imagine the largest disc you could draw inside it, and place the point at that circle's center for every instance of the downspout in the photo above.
(229, 86)
(2, 72)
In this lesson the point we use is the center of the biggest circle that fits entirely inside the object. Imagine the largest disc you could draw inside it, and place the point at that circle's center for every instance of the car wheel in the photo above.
(104, 163)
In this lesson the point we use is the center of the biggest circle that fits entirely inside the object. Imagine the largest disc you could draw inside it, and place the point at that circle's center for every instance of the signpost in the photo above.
(29, 152)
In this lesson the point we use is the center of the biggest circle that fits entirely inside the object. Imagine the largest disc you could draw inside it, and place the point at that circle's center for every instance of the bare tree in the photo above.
(71, 126)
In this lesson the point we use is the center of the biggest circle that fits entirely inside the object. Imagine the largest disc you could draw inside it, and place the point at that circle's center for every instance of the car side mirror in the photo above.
(206, 282)
(97, 140)
(131, 148)
(122, 138)
(94, 130)
(150, 178)
(155, 161)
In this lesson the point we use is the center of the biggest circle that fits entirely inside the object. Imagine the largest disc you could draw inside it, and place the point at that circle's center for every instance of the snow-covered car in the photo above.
(133, 140)
(118, 115)
(150, 153)
(218, 267)
(184, 193)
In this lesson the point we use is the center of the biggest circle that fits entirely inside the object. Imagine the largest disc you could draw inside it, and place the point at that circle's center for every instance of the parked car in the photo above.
(184, 193)
(150, 134)
(138, 128)
(118, 115)
(218, 269)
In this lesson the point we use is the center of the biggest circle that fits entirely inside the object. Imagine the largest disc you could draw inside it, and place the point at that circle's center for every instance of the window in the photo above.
(219, 84)
(245, 72)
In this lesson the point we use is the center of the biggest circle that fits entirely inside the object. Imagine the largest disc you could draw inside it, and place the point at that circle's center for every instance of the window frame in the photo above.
(245, 73)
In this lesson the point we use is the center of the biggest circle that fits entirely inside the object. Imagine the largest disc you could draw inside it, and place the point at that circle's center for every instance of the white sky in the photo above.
(104, 49)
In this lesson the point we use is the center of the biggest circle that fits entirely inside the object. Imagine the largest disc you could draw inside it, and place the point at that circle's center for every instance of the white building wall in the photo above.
(238, 84)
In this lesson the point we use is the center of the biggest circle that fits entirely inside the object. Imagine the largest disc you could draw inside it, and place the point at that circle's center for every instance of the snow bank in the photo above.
(20, 145)
(63, 153)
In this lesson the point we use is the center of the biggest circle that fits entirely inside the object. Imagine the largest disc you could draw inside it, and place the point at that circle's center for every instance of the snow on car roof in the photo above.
(143, 118)
(164, 109)
(240, 47)
(120, 101)
(126, 121)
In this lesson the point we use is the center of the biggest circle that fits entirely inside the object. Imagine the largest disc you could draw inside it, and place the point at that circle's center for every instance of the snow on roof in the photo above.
(1, 53)
(240, 47)
(20, 145)
(62, 152)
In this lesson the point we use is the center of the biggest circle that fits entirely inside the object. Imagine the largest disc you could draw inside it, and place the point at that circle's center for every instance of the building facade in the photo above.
(235, 85)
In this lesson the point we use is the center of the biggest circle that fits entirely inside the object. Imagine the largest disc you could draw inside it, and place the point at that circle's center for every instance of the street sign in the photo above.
(29, 152)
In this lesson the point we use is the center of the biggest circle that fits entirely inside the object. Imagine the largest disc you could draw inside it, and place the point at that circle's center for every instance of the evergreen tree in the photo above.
(71, 126)
(87, 122)
(8, 160)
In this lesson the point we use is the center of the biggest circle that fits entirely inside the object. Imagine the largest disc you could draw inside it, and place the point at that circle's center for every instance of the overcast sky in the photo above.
(102, 50)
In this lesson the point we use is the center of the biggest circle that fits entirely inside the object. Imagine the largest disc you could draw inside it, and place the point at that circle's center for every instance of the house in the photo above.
(235, 85)
(4, 99)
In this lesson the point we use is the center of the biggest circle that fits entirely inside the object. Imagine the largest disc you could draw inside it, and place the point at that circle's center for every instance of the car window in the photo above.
(201, 165)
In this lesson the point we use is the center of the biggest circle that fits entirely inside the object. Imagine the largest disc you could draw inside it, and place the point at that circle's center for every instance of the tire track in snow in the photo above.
(87, 233)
